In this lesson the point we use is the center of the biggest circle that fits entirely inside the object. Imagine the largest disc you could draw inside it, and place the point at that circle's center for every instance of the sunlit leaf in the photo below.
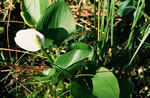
(56, 23)
(84, 47)
(32, 10)
(105, 84)
(78, 52)
(71, 57)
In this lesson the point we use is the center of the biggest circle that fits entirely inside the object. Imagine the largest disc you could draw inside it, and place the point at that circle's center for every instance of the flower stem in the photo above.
(50, 59)
(47, 56)
(51, 53)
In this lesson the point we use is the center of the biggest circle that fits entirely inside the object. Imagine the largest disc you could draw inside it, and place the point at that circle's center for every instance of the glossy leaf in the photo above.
(78, 51)
(105, 84)
(74, 56)
(84, 47)
(32, 10)
(56, 23)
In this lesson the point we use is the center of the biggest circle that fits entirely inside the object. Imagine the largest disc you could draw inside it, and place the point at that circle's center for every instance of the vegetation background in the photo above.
(125, 48)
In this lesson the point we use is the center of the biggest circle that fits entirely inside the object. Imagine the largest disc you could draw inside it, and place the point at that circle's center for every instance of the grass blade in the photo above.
(141, 43)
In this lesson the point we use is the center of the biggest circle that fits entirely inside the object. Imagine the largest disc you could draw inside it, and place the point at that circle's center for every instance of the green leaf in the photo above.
(41, 78)
(54, 36)
(105, 84)
(54, 78)
(125, 8)
(57, 23)
(49, 71)
(141, 43)
(84, 47)
(32, 10)
(80, 45)
(74, 56)
(77, 52)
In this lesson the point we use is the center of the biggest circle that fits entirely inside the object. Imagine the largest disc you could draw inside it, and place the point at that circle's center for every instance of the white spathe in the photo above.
(29, 39)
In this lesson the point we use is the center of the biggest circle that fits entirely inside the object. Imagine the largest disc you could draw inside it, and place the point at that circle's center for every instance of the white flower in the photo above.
(30, 39)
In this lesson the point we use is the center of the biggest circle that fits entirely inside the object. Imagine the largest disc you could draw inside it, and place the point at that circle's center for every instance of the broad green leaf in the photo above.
(84, 47)
(32, 10)
(57, 23)
(80, 45)
(54, 36)
(78, 52)
(105, 84)
(57, 15)
(74, 56)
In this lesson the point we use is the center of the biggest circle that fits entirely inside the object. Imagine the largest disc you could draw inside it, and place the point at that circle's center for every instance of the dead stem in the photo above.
(12, 21)
(26, 52)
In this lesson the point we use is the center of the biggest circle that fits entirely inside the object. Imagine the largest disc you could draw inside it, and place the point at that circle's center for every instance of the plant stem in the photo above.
(50, 60)
(102, 21)
(95, 14)
(98, 32)
(52, 54)
(112, 21)
(47, 56)
(136, 18)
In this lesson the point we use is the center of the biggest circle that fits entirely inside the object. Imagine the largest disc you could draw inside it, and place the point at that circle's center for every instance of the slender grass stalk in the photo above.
(112, 21)
(95, 14)
(136, 17)
(99, 12)
(2, 56)
(8, 42)
(141, 43)
(110, 10)
(107, 23)
(105, 28)
(20, 58)
(98, 31)
(102, 21)
(18, 86)
(7, 76)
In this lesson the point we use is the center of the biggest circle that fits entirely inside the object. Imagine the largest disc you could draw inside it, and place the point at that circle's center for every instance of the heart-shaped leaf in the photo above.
(56, 23)
(79, 51)
(32, 10)
(84, 47)
(105, 84)
(66, 60)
